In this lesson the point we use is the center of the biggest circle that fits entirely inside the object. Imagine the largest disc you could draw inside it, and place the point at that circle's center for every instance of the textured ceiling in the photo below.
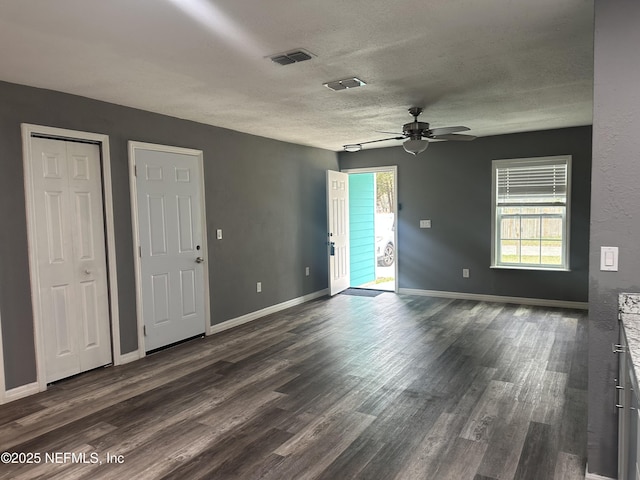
(496, 66)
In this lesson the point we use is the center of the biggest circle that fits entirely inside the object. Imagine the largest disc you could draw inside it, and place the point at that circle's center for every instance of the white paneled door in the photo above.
(338, 230)
(169, 201)
(71, 259)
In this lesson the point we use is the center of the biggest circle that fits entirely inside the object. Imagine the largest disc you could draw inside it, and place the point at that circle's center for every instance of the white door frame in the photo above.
(394, 169)
(28, 130)
(133, 146)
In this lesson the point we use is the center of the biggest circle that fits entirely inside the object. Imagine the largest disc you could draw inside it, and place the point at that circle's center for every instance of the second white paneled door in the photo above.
(169, 198)
(71, 259)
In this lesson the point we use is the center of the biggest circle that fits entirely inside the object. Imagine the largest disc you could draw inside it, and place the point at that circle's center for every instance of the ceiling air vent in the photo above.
(288, 58)
(352, 82)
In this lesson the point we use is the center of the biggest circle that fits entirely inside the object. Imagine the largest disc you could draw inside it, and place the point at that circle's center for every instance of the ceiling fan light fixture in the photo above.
(415, 146)
(354, 147)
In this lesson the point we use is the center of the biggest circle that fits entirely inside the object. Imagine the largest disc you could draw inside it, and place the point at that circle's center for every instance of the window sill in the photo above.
(519, 267)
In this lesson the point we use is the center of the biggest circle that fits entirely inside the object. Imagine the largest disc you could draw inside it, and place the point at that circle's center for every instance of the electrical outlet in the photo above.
(465, 273)
(259, 287)
(306, 271)
(425, 223)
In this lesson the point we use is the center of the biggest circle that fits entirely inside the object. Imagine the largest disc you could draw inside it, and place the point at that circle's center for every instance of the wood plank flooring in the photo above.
(386, 387)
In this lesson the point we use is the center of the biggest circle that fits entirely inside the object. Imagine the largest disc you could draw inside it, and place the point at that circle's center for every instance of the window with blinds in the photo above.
(531, 216)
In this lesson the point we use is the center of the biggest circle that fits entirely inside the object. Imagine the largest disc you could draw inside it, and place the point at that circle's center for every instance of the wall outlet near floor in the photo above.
(465, 273)
(259, 287)
(306, 271)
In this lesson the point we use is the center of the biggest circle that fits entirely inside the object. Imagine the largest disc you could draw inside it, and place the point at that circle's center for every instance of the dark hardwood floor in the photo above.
(389, 387)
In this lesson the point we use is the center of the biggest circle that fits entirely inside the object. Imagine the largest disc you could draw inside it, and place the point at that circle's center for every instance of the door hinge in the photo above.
(139, 251)
(135, 170)
(617, 348)
(144, 330)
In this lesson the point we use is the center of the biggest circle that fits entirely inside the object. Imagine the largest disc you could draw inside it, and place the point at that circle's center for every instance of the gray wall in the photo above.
(450, 183)
(615, 210)
(267, 196)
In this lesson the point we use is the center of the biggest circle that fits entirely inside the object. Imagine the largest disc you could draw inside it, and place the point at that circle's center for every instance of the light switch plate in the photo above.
(219, 234)
(425, 223)
(609, 259)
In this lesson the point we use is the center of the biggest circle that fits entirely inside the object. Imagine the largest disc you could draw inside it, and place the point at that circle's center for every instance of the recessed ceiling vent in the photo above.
(352, 82)
(295, 56)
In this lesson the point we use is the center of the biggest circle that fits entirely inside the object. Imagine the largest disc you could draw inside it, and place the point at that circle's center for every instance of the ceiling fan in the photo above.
(416, 134)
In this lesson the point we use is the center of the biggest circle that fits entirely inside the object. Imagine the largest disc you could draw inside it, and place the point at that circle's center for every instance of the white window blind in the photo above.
(526, 182)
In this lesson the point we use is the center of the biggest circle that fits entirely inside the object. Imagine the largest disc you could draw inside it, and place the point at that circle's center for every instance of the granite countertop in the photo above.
(629, 307)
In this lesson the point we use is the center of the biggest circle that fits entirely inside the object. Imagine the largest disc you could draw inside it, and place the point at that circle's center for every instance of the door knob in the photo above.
(199, 260)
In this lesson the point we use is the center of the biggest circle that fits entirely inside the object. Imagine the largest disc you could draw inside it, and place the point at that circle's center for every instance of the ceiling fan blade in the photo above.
(454, 136)
(382, 140)
(446, 130)
(390, 133)
(354, 147)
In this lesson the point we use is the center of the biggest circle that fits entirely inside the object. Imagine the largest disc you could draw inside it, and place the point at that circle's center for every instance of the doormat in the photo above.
(362, 292)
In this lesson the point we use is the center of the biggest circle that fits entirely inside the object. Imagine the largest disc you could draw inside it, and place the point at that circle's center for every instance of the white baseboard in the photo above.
(593, 476)
(541, 302)
(21, 392)
(249, 317)
(129, 357)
